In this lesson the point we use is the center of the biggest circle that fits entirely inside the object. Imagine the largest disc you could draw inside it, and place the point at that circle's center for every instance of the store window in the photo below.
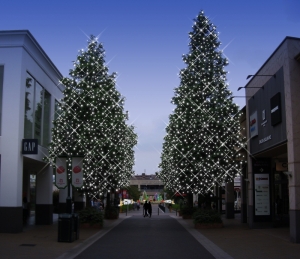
(37, 112)
(57, 110)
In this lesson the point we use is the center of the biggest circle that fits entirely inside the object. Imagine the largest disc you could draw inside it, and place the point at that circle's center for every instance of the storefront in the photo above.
(273, 110)
(29, 91)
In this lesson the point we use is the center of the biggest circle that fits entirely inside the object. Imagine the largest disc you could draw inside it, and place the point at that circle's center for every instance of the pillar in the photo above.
(44, 193)
(244, 185)
(229, 200)
(219, 206)
(294, 197)
(11, 176)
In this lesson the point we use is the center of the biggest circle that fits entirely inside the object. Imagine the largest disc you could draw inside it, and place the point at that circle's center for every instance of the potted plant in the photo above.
(91, 217)
(207, 219)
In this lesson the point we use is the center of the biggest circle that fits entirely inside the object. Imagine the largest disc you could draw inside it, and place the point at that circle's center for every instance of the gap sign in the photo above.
(29, 146)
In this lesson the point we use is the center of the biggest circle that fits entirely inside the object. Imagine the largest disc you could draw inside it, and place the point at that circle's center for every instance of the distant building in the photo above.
(149, 183)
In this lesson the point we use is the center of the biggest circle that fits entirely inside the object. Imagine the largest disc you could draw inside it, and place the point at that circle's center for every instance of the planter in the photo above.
(91, 226)
(208, 225)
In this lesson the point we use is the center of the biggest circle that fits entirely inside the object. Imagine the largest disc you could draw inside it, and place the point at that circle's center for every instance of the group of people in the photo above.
(147, 209)
(136, 205)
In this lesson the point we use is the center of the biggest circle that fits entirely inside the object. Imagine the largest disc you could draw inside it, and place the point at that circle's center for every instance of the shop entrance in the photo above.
(281, 198)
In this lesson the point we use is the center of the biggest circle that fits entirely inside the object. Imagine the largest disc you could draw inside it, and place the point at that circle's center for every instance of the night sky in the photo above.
(144, 43)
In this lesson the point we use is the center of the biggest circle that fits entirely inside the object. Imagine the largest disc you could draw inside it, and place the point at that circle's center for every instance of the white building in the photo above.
(29, 90)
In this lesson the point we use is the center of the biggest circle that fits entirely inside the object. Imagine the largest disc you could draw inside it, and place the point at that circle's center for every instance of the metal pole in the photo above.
(69, 199)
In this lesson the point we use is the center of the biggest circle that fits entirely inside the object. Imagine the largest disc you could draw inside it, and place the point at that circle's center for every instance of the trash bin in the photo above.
(65, 228)
(76, 225)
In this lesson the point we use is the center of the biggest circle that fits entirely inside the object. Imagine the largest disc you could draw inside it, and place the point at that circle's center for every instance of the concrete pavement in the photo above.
(235, 240)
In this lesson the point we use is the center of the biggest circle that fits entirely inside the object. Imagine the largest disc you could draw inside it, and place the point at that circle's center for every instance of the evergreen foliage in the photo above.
(91, 123)
(203, 137)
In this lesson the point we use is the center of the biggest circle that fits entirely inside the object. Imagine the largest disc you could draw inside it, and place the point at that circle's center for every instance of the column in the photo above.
(11, 174)
(44, 192)
(229, 200)
(244, 185)
(294, 197)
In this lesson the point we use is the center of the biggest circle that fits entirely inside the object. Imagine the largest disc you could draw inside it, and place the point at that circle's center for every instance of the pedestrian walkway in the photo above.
(157, 237)
(167, 233)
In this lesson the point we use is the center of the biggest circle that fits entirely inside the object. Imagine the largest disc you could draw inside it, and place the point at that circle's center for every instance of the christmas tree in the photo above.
(202, 142)
(91, 123)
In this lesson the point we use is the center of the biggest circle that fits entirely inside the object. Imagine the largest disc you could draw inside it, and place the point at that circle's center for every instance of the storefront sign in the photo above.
(77, 172)
(281, 166)
(265, 139)
(275, 109)
(29, 146)
(253, 125)
(262, 194)
(61, 173)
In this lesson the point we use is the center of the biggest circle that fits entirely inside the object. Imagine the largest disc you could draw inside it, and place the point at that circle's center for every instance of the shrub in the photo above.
(175, 206)
(187, 210)
(124, 208)
(91, 215)
(111, 212)
(206, 216)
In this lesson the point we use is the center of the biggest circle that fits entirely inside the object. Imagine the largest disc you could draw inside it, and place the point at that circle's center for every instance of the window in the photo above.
(57, 110)
(37, 112)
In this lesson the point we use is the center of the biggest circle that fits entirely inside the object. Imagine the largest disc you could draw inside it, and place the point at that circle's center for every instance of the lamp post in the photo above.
(69, 199)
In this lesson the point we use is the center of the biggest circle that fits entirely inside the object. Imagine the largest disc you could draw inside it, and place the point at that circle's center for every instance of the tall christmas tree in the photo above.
(200, 149)
(91, 123)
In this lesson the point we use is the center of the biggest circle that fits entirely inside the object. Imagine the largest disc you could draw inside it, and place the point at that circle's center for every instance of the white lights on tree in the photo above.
(203, 137)
(91, 123)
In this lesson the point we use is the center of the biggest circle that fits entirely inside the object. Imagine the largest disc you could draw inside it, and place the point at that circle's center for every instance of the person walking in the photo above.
(149, 209)
(145, 207)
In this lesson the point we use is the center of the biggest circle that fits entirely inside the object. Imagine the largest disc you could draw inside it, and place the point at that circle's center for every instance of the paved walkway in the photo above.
(167, 234)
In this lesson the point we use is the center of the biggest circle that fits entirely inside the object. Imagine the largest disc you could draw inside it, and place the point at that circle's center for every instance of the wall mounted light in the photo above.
(259, 75)
(248, 87)
(288, 174)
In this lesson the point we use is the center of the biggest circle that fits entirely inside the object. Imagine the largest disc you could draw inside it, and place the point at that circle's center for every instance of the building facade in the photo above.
(148, 183)
(273, 123)
(29, 92)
